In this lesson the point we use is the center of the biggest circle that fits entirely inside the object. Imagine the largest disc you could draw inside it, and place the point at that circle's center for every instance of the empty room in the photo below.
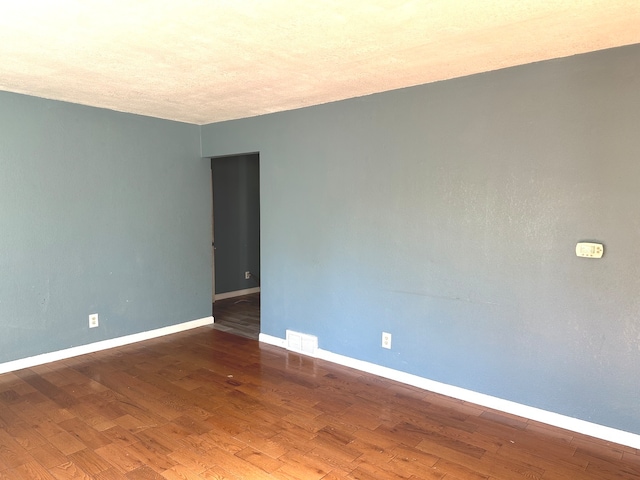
(443, 244)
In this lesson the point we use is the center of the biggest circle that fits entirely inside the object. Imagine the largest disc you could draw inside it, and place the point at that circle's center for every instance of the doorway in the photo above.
(235, 181)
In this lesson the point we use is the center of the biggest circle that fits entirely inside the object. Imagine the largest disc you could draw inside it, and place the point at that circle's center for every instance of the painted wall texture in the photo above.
(236, 200)
(100, 212)
(448, 214)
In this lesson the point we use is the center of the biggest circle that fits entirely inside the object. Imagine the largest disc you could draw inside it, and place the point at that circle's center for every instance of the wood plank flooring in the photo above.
(205, 404)
(238, 315)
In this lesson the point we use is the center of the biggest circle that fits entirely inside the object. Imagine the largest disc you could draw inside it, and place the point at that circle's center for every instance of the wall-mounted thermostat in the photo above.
(589, 250)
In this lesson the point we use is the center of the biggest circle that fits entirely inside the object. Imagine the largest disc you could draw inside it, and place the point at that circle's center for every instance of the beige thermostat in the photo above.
(589, 250)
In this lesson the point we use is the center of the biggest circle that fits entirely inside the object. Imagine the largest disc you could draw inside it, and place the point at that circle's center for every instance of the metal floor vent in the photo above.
(302, 343)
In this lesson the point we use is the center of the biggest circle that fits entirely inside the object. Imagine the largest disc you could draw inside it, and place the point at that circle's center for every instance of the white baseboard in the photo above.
(103, 345)
(278, 342)
(550, 418)
(236, 293)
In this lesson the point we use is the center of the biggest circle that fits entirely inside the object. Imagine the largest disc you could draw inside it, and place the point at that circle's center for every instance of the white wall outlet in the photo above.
(93, 320)
(247, 275)
(386, 340)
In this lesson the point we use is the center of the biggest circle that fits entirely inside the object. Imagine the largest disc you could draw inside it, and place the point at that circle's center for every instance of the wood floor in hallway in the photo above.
(238, 315)
(206, 404)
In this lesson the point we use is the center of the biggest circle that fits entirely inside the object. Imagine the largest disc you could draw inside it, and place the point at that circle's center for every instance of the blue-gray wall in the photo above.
(99, 212)
(236, 203)
(447, 214)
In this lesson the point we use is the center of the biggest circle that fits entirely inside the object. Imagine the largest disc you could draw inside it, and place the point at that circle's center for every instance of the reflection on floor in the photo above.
(238, 315)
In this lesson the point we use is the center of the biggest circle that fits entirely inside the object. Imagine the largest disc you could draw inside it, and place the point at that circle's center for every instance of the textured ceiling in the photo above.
(202, 61)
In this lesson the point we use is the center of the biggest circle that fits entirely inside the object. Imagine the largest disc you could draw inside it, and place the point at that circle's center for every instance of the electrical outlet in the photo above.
(247, 275)
(93, 320)
(386, 340)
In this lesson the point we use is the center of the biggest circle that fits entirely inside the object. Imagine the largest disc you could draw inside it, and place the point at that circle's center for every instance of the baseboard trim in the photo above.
(103, 345)
(550, 418)
(237, 293)
(278, 342)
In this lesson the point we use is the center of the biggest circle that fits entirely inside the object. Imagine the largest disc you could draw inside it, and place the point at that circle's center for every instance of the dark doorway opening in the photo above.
(235, 183)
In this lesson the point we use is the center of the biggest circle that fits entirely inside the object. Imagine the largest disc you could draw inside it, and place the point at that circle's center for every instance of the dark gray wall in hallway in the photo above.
(236, 200)
(447, 214)
(99, 212)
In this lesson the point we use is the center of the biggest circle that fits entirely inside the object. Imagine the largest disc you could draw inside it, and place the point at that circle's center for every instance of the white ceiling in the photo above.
(202, 61)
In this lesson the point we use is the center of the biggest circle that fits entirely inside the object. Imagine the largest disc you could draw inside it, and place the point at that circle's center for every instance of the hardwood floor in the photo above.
(238, 315)
(205, 404)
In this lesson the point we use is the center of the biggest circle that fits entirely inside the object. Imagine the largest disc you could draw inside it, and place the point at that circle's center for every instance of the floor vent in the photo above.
(302, 343)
